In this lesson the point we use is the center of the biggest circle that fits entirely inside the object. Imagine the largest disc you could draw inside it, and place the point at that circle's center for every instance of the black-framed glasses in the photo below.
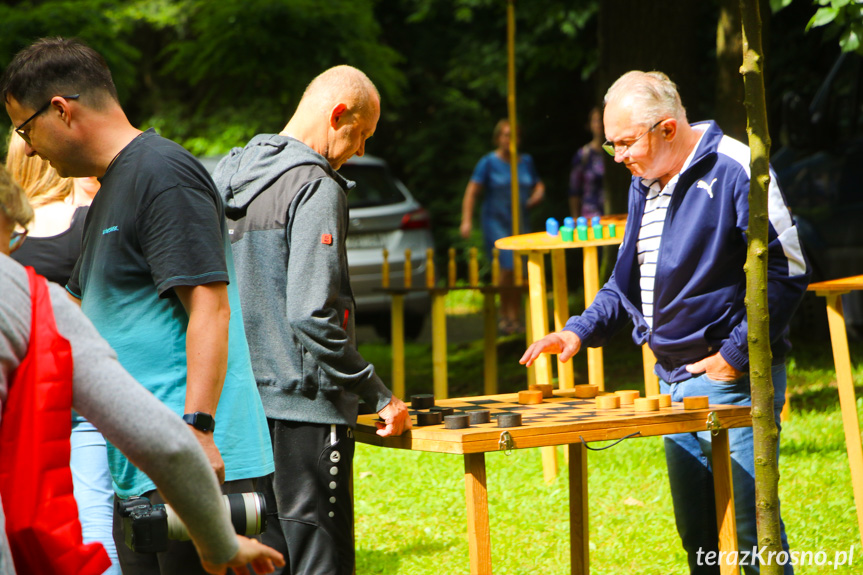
(16, 239)
(611, 148)
(20, 129)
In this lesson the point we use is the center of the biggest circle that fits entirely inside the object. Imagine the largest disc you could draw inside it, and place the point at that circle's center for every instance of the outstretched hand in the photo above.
(263, 559)
(565, 343)
(395, 418)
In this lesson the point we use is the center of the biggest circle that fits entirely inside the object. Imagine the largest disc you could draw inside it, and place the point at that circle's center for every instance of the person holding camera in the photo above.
(155, 275)
(130, 417)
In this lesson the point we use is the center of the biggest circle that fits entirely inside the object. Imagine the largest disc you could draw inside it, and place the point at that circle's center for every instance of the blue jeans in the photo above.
(691, 476)
(91, 481)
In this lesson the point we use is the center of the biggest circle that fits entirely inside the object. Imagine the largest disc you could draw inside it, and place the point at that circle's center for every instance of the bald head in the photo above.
(340, 84)
(650, 97)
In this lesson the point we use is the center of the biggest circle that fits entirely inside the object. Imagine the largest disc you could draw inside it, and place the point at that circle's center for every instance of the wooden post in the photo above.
(517, 269)
(439, 366)
(565, 376)
(595, 368)
(450, 268)
(476, 497)
(495, 267)
(489, 319)
(847, 399)
(397, 332)
(385, 270)
(579, 557)
(430, 279)
(651, 381)
(513, 119)
(726, 522)
(408, 269)
(473, 268)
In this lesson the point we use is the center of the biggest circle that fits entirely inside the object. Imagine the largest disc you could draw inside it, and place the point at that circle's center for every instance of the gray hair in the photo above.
(344, 83)
(651, 95)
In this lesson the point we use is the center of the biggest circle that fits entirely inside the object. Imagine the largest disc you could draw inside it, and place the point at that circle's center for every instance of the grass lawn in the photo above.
(410, 514)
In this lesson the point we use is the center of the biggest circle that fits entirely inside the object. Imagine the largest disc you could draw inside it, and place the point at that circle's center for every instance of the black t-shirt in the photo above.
(157, 221)
(54, 256)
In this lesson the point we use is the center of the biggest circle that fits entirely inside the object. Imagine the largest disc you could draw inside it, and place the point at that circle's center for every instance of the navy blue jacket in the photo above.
(700, 281)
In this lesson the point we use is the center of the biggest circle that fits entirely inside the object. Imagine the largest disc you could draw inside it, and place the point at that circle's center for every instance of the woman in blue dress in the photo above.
(492, 179)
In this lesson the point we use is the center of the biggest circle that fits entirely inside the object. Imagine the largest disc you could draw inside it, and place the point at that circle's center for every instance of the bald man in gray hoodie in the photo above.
(288, 218)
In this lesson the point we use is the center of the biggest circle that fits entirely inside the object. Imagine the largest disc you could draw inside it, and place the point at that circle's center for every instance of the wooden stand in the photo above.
(832, 290)
(475, 441)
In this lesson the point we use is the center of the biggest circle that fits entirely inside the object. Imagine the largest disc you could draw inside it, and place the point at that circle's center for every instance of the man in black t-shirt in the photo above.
(156, 274)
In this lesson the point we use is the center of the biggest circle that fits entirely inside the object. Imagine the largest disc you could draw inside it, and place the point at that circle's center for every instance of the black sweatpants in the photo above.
(311, 515)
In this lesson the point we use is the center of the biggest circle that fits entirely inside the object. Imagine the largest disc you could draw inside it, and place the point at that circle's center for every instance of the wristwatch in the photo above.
(200, 421)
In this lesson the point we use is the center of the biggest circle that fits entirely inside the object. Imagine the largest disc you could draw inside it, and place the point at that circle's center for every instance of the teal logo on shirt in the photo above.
(111, 229)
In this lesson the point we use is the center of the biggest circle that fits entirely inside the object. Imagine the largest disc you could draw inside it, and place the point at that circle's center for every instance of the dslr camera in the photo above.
(147, 527)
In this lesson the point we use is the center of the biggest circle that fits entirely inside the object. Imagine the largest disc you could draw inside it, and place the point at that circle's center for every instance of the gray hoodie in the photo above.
(288, 217)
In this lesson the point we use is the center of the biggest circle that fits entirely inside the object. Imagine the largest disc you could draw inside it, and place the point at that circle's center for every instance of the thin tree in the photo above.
(766, 435)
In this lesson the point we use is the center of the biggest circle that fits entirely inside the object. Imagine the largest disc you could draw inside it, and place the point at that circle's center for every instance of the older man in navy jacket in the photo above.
(679, 277)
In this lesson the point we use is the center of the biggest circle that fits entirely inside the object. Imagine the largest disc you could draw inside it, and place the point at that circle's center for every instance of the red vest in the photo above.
(35, 481)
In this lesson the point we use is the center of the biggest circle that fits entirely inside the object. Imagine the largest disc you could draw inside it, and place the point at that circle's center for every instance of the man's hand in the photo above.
(263, 559)
(566, 343)
(205, 438)
(396, 418)
(465, 229)
(715, 367)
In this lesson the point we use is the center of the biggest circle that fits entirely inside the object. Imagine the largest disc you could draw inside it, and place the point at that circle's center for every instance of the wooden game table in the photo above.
(832, 290)
(536, 246)
(563, 420)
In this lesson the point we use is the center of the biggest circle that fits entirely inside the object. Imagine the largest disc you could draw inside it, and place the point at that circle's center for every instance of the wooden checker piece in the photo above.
(586, 391)
(428, 418)
(696, 402)
(530, 397)
(627, 396)
(509, 420)
(663, 398)
(611, 401)
(478, 416)
(459, 421)
(646, 404)
(444, 411)
(422, 401)
(546, 388)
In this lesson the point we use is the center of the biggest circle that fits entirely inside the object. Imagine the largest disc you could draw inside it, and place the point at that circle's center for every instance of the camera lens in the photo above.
(248, 513)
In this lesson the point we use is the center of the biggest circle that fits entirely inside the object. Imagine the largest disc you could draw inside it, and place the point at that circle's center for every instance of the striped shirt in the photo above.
(650, 233)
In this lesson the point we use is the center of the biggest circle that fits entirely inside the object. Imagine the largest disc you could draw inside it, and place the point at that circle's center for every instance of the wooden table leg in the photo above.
(476, 497)
(651, 382)
(724, 494)
(397, 333)
(489, 372)
(561, 312)
(439, 365)
(538, 310)
(847, 400)
(578, 524)
(595, 369)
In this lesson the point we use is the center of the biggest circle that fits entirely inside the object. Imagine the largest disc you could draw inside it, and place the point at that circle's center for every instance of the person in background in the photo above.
(150, 434)
(52, 249)
(586, 195)
(492, 178)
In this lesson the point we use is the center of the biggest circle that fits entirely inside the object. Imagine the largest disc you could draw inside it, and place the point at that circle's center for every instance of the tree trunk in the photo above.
(730, 113)
(766, 435)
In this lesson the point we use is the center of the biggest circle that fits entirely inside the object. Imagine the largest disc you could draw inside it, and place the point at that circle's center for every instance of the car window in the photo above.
(375, 186)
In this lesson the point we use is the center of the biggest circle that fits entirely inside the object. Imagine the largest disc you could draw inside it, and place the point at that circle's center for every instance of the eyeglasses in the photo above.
(20, 129)
(611, 148)
(16, 239)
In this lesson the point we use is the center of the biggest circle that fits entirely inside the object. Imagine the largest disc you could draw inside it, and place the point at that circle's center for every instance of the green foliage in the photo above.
(843, 18)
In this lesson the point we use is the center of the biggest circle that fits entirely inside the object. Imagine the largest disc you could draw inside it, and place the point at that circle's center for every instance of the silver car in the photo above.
(383, 215)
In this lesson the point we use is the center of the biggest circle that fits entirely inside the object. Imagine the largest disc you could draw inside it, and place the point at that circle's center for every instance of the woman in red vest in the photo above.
(52, 357)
